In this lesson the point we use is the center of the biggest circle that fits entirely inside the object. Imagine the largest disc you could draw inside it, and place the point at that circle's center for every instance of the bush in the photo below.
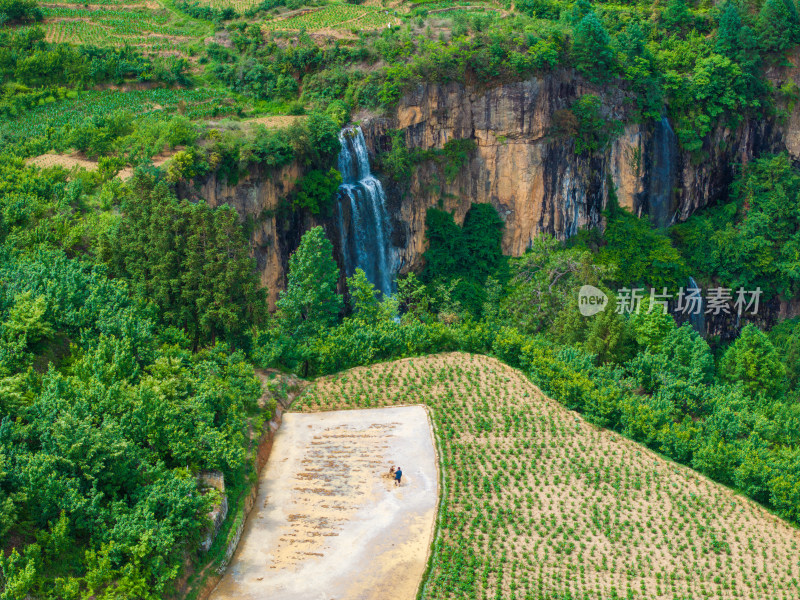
(592, 132)
(207, 13)
(316, 191)
(19, 11)
(753, 361)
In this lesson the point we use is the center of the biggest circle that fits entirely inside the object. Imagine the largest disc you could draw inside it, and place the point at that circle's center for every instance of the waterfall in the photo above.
(663, 171)
(697, 321)
(363, 220)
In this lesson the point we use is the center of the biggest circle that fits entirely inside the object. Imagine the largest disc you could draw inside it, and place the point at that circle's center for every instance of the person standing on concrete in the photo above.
(397, 475)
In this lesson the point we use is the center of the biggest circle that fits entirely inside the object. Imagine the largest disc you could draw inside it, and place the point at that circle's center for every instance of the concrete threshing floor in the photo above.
(328, 523)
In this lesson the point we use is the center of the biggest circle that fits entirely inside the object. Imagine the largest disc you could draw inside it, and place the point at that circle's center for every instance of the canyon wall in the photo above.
(259, 198)
(534, 179)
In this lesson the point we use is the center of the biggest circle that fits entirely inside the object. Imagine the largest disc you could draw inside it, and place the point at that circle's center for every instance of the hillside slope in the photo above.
(540, 504)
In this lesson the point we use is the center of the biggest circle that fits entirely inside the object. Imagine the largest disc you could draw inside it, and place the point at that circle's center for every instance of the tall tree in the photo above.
(367, 305)
(310, 302)
(483, 240)
(676, 17)
(730, 24)
(777, 25)
(591, 49)
(544, 280)
(579, 10)
(753, 361)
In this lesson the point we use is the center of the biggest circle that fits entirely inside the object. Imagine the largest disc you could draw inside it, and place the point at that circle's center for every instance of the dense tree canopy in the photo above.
(197, 269)
(130, 319)
(751, 242)
(97, 451)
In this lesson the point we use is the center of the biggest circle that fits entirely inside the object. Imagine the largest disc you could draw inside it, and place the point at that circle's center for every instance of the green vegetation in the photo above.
(197, 269)
(640, 255)
(460, 259)
(130, 319)
(539, 504)
(586, 125)
(592, 51)
(14, 12)
(316, 192)
(107, 411)
(751, 241)
(98, 449)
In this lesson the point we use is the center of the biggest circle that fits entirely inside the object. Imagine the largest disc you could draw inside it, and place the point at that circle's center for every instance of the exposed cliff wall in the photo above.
(260, 199)
(536, 181)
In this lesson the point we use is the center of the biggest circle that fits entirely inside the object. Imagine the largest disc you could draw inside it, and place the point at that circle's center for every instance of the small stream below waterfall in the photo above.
(361, 211)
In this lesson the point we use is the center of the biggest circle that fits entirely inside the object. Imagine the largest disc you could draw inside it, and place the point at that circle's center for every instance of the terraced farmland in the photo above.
(145, 24)
(70, 111)
(240, 6)
(538, 504)
(336, 16)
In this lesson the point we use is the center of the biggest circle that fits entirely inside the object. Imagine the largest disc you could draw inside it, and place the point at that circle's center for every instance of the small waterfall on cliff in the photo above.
(663, 171)
(363, 220)
(697, 321)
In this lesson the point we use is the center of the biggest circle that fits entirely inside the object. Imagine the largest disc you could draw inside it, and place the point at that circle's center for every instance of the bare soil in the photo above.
(76, 160)
(329, 523)
(275, 122)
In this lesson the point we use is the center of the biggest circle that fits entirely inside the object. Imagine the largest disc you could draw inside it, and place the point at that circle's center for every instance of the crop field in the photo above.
(143, 24)
(337, 16)
(450, 6)
(454, 4)
(70, 111)
(538, 504)
(240, 6)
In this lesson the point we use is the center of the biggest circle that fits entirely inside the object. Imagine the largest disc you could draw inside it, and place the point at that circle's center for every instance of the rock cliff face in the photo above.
(535, 180)
(274, 229)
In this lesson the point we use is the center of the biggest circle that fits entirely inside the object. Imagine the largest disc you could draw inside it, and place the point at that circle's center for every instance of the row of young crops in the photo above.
(118, 24)
(337, 16)
(240, 6)
(195, 104)
(109, 3)
(538, 504)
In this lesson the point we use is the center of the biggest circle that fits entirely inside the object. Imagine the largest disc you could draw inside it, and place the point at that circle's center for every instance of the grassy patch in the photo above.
(337, 16)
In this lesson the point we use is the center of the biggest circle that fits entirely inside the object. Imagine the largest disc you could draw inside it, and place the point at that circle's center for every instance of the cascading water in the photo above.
(663, 171)
(697, 319)
(363, 220)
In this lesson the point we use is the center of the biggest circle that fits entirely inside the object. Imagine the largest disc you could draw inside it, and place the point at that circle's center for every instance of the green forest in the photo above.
(132, 318)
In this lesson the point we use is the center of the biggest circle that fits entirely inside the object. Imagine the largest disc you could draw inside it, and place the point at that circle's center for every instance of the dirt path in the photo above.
(328, 523)
(68, 161)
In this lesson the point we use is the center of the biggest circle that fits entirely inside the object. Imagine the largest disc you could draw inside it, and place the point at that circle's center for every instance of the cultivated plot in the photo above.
(147, 24)
(539, 504)
(336, 16)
